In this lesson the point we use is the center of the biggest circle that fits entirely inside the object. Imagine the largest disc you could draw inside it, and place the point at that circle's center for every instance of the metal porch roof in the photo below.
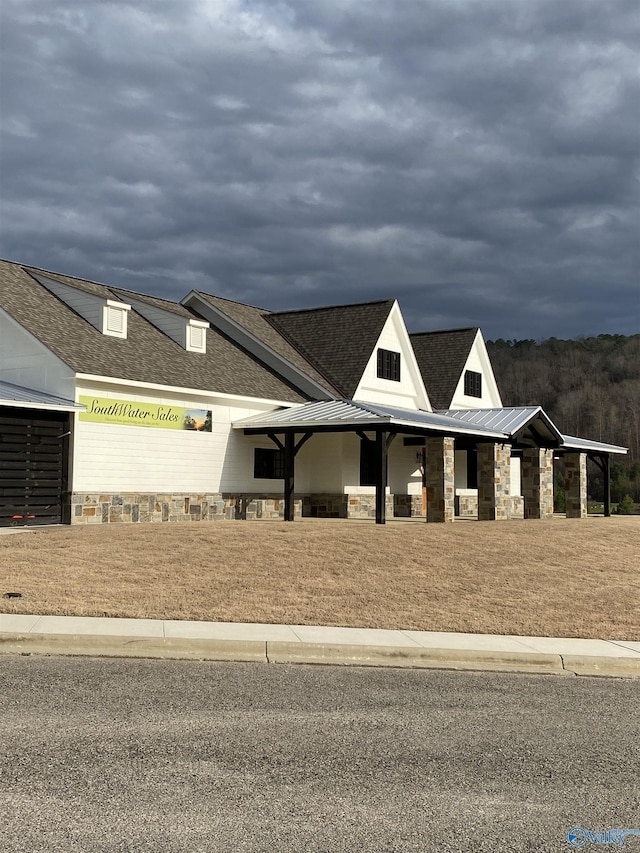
(27, 398)
(484, 423)
(510, 420)
(343, 414)
(570, 442)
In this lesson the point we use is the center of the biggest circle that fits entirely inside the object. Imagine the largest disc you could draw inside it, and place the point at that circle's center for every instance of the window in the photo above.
(472, 383)
(268, 464)
(388, 365)
(368, 463)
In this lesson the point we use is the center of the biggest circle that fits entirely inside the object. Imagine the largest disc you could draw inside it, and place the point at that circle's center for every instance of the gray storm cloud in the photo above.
(478, 161)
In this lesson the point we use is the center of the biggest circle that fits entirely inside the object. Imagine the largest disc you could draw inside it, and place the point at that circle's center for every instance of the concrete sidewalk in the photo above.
(158, 638)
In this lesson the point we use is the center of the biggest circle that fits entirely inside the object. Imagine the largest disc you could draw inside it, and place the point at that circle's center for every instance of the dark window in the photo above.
(472, 469)
(472, 383)
(367, 463)
(388, 365)
(268, 464)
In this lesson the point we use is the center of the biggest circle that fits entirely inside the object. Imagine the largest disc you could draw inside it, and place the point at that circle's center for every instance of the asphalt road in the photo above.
(126, 755)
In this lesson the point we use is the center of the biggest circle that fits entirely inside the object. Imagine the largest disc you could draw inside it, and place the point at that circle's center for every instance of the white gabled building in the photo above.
(121, 407)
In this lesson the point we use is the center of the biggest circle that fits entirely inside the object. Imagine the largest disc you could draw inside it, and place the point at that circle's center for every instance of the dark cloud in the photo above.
(475, 160)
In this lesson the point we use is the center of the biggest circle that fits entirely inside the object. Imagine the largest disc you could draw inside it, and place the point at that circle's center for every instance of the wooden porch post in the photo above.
(381, 477)
(289, 463)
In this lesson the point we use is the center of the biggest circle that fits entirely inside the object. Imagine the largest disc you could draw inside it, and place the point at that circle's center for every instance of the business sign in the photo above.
(104, 410)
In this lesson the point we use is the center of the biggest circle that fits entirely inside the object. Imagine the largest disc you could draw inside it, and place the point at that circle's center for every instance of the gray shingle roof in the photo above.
(441, 357)
(256, 321)
(146, 355)
(337, 340)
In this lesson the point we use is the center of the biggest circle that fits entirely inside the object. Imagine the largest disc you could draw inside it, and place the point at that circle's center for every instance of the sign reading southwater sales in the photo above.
(104, 410)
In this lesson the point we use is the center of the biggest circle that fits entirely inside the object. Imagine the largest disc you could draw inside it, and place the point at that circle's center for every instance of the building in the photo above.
(116, 406)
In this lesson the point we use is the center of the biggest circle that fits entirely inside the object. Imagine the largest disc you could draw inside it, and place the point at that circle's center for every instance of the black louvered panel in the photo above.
(32, 467)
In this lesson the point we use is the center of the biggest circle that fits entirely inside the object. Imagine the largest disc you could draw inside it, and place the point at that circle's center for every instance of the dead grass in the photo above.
(571, 578)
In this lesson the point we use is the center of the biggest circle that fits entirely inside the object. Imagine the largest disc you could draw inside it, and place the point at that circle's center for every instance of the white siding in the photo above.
(516, 481)
(25, 361)
(112, 458)
(319, 464)
(479, 362)
(460, 466)
(405, 475)
(409, 393)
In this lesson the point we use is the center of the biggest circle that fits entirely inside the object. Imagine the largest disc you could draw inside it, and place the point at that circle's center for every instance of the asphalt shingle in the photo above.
(441, 357)
(337, 340)
(146, 355)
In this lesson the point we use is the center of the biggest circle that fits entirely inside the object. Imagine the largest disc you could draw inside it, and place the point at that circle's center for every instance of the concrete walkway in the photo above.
(159, 638)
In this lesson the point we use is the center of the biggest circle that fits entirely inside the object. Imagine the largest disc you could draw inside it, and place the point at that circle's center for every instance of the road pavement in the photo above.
(101, 755)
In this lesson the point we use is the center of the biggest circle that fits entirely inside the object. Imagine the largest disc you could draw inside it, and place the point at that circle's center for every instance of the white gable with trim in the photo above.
(407, 393)
(478, 362)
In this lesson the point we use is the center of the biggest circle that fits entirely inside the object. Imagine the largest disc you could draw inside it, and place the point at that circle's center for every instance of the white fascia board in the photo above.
(408, 362)
(585, 445)
(257, 348)
(173, 389)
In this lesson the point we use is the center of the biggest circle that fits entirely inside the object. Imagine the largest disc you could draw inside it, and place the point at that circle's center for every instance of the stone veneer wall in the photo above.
(494, 482)
(324, 506)
(407, 506)
(95, 508)
(468, 506)
(575, 472)
(537, 482)
(440, 476)
(364, 506)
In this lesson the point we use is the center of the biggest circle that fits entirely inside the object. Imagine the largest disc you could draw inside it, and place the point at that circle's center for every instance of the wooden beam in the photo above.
(274, 438)
(302, 441)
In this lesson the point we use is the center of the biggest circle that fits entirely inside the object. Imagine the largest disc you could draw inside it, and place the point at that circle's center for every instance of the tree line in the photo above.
(589, 387)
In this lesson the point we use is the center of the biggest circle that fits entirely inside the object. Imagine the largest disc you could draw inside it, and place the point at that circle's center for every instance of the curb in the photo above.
(282, 652)
(594, 665)
(403, 656)
(132, 647)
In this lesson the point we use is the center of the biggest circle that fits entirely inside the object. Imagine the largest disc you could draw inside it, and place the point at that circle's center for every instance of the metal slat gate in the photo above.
(33, 467)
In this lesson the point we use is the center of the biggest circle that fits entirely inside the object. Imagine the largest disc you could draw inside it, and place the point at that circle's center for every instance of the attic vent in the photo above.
(196, 336)
(115, 319)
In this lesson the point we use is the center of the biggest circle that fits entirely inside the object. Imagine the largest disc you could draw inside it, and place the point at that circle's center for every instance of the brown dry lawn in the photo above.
(561, 577)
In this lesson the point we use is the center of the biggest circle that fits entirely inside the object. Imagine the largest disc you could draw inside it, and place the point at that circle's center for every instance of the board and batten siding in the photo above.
(117, 458)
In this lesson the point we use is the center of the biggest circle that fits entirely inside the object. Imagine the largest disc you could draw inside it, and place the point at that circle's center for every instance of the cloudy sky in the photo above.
(476, 159)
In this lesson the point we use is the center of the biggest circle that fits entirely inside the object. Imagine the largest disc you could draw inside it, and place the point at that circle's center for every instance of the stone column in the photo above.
(537, 482)
(440, 479)
(575, 472)
(494, 482)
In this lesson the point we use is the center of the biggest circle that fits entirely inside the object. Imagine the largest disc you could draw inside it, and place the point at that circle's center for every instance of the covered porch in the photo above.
(498, 443)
